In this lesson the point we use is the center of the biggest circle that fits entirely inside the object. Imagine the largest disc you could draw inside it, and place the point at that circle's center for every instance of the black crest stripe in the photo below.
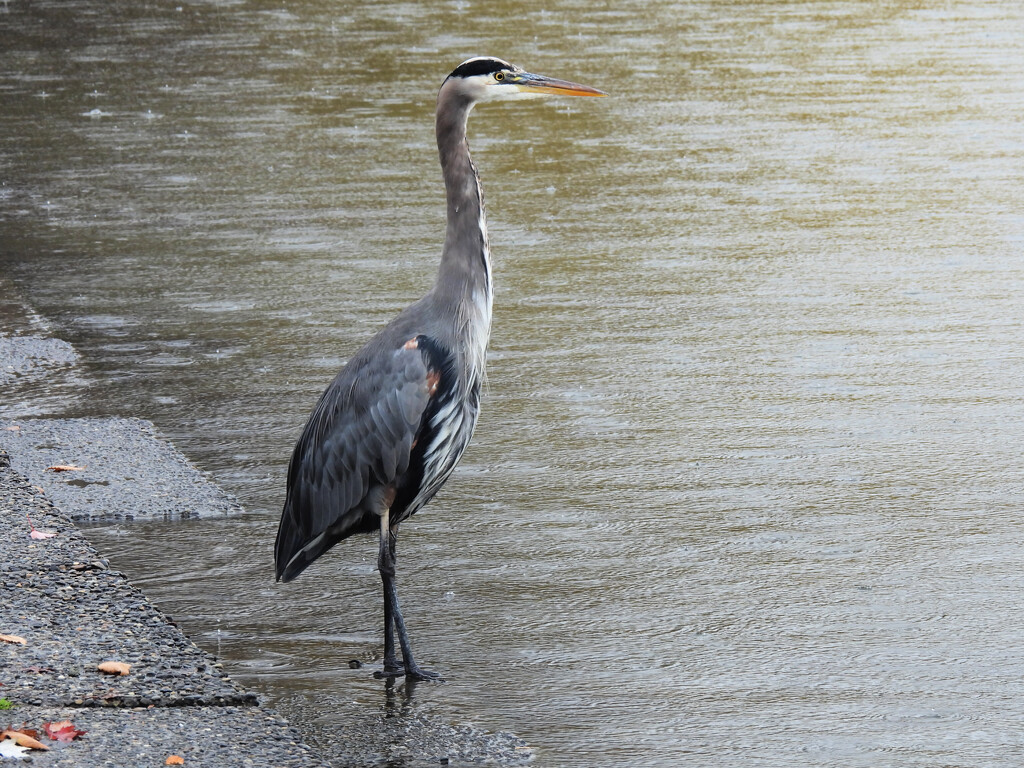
(481, 66)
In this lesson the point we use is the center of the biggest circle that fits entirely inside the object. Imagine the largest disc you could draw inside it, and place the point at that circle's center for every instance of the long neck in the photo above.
(465, 272)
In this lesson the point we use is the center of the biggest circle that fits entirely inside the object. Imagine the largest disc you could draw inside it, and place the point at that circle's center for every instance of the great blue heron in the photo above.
(388, 431)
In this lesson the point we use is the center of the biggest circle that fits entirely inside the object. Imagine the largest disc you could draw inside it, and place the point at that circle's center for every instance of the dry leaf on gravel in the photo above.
(64, 468)
(38, 534)
(22, 739)
(175, 760)
(63, 731)
(115, 668)
(12, 639)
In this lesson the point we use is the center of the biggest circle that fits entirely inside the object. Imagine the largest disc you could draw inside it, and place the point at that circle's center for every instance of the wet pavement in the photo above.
(73, 614)
(111, 469)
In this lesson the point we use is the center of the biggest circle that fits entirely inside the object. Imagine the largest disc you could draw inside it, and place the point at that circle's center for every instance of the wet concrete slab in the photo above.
(122, 470)
(32, 355)
(116, 469)
(40, 374)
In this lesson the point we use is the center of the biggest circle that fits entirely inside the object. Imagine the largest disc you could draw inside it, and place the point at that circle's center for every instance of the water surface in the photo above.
(746, 486)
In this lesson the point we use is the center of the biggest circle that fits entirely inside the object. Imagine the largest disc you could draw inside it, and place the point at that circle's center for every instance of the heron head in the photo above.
(485, 78)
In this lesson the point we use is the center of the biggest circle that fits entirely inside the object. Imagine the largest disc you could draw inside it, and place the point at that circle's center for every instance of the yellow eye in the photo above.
(499, 76)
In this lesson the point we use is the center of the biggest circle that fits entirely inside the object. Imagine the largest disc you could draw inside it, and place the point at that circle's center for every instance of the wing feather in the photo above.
(356, 444)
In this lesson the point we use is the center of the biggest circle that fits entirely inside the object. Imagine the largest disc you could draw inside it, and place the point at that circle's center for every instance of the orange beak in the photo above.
(529, 83)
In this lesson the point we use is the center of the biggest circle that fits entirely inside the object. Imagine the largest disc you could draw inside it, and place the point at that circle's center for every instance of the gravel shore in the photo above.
(74, 613)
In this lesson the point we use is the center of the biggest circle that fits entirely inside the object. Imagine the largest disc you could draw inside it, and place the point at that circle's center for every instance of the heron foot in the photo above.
(392, 668)
(396, 668)
(416, 673)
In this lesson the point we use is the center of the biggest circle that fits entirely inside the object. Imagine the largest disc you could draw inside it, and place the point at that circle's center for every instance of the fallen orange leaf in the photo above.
(64, 468)
(13, 639)
(114, 668)
(174, 760)
(22, 739)
(15, 428)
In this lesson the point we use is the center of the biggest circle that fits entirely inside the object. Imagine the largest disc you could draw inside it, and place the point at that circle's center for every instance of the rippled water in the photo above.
(746, 487)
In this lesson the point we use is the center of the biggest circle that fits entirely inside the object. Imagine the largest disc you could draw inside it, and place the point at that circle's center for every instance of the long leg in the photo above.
(393, 614)
(386, 566)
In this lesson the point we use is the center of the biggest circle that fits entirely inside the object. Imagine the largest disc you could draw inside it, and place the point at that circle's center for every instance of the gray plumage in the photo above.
(390, 429)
